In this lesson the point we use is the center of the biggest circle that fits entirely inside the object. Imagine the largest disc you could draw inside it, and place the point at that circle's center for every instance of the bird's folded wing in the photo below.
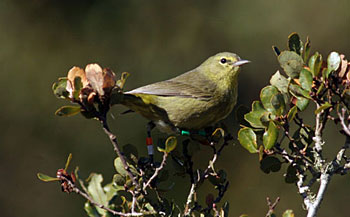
(174, 88)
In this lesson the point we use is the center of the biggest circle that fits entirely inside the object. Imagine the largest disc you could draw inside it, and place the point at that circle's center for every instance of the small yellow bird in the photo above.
(191, 101)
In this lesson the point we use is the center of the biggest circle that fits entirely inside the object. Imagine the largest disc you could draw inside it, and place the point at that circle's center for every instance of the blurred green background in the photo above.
(40, 40)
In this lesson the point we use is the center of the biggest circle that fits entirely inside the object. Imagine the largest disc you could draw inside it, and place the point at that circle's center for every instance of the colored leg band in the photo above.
(149, 141)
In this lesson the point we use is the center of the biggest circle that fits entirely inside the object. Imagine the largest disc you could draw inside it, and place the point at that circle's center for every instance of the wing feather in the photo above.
(181, 86)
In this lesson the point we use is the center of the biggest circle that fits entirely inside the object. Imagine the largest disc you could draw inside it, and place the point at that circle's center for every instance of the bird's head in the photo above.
(223, 65)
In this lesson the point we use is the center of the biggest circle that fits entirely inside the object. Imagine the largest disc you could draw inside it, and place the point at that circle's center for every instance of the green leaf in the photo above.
(119, 179)
(270, 136)
(288, 213)
(292, 112)
(280, 82)
(305, 79)
(46, 178)
(111, 190)
(77, 87)
(278, 103)
(321, 87)
(291, 63)
(272, 100)
(68, 161)
(96, 192)
(68, 111)
(297, 91)
(333, 63)
(315, 64)
(295, 44)
(306, 49)
(302, 103)
(266, 95)
(91, 210)
(323, 107)
(119, 167)
(247, 138)
(270, 164)
(59, 88)
(254, 117)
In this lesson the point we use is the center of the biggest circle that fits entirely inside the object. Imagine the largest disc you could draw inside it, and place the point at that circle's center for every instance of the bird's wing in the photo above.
(181, 86)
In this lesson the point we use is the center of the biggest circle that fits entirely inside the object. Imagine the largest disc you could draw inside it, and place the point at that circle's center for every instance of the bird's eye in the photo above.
(223, 60)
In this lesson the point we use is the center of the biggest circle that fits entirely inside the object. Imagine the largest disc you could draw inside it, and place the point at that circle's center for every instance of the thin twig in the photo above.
(86, 196)
(156, 172)
(271, 206)
(342, 122)
(205, 174)
(114, 141)
(189, 199)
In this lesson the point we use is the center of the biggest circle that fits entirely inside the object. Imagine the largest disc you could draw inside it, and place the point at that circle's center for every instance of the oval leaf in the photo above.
(315, 64)
(305, 79)
(247, 138)
(306, 49)
(91, 210)
(68, 111)
(333, 62)
(96, 191)
(277, 102)
(119, 179)
(292, 112)
(46, 178)
(291, 63)
(69, 159)
(302, 103)
(119, 167)
(59, 88)
(254, 117)
(270, 136)
(272, 100)
(280, 82)
(322, 108)
(297, 91)
(294, 43)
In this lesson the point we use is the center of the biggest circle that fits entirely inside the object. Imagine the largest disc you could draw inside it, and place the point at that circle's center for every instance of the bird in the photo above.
(193, 100)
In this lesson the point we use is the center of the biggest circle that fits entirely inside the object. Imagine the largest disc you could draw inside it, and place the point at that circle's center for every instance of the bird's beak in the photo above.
(240, 62)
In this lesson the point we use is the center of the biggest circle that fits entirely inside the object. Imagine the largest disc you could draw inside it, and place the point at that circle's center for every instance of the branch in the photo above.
(318, 133)
(315, 204)
(271, 206)
(114, 141)
(342, 122)
(205, 174)
(158, 169)
(86, 196)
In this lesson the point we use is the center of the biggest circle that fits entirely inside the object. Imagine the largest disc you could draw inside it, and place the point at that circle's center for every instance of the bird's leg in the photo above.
(149, 141)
